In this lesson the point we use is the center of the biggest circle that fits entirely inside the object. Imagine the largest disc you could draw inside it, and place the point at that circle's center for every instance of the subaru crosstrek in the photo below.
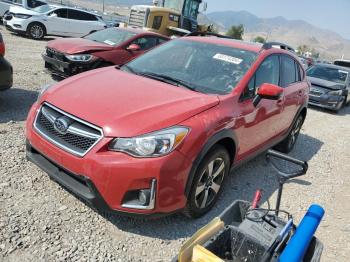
(161, 133)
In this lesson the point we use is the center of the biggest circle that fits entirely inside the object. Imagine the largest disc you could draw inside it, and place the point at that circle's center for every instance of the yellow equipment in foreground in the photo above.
(190, 250)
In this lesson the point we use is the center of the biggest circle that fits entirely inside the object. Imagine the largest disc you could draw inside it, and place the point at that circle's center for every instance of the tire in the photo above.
(288, 143)
(36, 31)
(208, 182)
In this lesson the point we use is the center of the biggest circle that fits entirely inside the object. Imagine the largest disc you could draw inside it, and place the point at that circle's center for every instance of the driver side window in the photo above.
(268, 72)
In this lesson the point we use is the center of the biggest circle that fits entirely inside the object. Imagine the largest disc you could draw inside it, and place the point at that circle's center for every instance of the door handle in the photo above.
(280, 102)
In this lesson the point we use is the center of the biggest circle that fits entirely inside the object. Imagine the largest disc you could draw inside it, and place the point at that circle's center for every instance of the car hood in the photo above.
(77, 45)
(126, 105)
(22, 10)
(325, 84)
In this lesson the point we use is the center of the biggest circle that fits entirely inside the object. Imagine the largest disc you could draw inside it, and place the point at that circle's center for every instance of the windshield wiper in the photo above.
(168, 80)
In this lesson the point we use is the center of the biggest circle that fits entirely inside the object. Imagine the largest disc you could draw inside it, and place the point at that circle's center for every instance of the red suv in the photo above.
(65, 57)
(161, 133)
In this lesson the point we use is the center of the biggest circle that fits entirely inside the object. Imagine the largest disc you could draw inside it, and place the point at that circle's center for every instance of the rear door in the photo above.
(294, 90)
(81, 23)
(260, 123)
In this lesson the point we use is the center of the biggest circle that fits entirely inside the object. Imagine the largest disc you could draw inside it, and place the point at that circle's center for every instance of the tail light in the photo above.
(2, 46)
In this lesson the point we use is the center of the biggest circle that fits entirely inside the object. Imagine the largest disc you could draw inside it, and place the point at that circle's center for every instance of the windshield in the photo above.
(110, 36)
(328, 73)
(206, 68)
(174, 4)
(43, 8)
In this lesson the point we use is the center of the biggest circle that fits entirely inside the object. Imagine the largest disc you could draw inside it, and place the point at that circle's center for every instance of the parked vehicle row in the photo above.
(52, 20)
(6, 70)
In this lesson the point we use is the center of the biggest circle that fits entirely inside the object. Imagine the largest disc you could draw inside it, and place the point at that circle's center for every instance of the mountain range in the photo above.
(294, 32)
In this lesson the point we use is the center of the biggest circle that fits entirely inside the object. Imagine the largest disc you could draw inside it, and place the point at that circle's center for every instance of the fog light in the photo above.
(144, 196)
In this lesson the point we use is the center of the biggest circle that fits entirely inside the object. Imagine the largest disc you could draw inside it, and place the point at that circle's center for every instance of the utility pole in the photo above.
(103, 6)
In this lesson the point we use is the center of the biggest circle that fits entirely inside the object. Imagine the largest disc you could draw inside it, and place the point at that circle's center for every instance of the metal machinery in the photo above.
(168, 17)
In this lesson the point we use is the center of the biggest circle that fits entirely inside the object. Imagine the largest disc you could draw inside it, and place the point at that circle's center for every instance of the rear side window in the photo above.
(289, 74)
(78, 15)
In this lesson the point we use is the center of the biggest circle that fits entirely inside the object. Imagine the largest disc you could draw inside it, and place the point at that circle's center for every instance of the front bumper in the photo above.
(65, 69)
(16, 25)
(6, 74)
(327, 101)
(103, 178)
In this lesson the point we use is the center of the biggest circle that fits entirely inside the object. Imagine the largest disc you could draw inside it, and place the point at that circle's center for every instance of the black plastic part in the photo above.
(284, 175)
(6, 74)
(234, 216)
(208, 34)
(283, 46)
(80, 186)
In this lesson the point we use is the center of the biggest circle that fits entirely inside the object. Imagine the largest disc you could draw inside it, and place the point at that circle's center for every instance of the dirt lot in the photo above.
(39, 221)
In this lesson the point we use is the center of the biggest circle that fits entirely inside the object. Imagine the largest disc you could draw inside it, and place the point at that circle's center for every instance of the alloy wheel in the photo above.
(36, 31)
(209, 183)
(295, 132)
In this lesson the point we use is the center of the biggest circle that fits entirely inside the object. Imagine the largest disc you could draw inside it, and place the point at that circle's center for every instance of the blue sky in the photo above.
(328, 14)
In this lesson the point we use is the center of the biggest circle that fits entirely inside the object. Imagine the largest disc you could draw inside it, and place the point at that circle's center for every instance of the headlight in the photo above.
(43, 90)
(151, 145)
(79, 58)
(22, 16)
(335, 93)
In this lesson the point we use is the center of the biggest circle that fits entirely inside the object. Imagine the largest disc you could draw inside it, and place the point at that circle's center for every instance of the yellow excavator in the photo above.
(169, 17)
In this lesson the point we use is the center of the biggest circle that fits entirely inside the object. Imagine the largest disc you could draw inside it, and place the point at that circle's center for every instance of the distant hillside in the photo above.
(293, 32)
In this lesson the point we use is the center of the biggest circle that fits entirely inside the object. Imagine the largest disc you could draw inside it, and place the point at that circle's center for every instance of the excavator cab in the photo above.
(169, 17)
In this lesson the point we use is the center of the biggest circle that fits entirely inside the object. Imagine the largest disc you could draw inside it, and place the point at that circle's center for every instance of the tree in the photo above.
(236, 32)
(259, 39)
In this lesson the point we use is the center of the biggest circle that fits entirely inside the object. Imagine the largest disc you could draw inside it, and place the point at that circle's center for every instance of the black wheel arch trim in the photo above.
(223, 134)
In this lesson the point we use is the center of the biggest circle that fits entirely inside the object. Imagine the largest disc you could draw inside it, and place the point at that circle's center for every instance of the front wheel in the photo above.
(208, 182)
(288, 143)
(36, 31)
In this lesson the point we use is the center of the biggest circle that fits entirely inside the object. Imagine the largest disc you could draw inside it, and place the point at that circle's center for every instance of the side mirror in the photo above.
(267, 91)
(133, 47)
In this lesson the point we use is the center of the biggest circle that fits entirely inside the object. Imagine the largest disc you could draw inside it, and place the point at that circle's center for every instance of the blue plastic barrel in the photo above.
(300, 241)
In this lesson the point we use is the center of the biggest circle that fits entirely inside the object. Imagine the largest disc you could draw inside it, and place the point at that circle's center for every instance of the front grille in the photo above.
(78, 137)
(137, 18)
(53, 53)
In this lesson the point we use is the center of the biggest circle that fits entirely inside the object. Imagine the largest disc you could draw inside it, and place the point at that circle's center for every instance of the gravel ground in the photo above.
(39, 221)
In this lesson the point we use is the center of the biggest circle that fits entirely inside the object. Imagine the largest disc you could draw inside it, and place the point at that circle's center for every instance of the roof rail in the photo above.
(283, 46)
(208, 34)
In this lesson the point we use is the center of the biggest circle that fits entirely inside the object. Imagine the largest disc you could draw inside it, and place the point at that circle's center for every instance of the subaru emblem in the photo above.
(61, 125)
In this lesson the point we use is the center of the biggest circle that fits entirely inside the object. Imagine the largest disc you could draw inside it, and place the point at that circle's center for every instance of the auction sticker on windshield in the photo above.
(108, 42)
(227, 58)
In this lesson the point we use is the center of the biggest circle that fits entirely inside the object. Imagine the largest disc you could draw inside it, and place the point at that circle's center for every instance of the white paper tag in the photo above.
(227, 58)
(108, 42)
(341, 71)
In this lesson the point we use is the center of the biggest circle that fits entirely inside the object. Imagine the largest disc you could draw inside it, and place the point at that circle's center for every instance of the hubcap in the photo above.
(36, 31)
(209, 183)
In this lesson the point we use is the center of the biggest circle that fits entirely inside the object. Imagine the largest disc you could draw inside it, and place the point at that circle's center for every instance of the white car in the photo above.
(53, 20)
(28, 4)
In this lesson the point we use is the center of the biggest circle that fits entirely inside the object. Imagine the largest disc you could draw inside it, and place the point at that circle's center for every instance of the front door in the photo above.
(258, 125)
